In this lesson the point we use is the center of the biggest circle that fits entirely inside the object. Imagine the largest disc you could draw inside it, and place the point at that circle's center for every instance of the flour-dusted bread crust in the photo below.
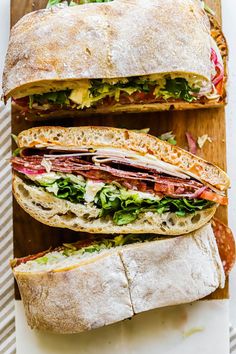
(122, 282)
(122, 38)
(89, 296)
(177, 271)
(56, 212)
(115, 138)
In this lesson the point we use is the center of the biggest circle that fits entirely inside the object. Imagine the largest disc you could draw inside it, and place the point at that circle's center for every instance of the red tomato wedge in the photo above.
(220, 87)
(213, 197)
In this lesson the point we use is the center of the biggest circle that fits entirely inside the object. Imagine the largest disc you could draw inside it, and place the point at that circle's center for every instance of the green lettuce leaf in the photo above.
(59, 97)
(126, 207)
(123, 217)
(64, 188)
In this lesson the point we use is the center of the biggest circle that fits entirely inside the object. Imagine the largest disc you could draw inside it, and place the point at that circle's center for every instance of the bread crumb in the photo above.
(202, 140)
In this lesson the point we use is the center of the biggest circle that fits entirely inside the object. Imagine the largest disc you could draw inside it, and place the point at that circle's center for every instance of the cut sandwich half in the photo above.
(110, 280)
(109, 180)
(114, 63)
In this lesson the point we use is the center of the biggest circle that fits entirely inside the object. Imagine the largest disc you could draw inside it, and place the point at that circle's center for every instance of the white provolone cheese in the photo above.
(91, 190)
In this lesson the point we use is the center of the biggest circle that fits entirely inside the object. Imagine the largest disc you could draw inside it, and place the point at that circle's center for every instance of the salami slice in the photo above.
(226, 244)
(34, 165)
(173, 187)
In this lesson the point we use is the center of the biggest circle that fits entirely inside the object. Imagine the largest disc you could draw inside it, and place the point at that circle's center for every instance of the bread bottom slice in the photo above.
(121, 282)
(37, 115)
(56, 212)
(91, 295)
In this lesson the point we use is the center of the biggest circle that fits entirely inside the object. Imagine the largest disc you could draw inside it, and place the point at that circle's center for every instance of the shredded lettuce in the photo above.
(18, 150)
(91, 1)
(179, 88)
(107, 243)
(169, 137)
(52, 3)
(59, 97)
(143, 131)
(69, 255)
(15, 138)
(96, 246)
(208, 9)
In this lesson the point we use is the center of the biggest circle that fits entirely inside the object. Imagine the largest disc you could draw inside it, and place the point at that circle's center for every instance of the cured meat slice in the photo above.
(226, 244)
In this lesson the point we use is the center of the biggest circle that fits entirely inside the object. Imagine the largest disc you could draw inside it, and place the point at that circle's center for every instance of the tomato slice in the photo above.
(213, 197)
(220, 87)
(139, 95)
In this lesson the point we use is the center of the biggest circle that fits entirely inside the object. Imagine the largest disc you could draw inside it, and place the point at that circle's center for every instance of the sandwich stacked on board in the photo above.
(113, 62)
(129, 184)
(155, 200)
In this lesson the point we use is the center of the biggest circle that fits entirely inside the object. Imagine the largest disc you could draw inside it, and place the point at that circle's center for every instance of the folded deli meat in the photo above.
(111, 279)
(113, 62)
(71, 177)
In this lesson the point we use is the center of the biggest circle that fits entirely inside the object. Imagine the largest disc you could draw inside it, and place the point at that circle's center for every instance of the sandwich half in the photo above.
(110, 280)
(104, 60)
(110, 180)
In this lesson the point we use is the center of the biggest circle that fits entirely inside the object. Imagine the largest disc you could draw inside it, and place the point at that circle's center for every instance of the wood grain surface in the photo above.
(31, 236)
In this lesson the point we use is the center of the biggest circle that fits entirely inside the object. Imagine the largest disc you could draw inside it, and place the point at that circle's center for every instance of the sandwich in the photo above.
(103, 60)
(111, 180)
(109, 280)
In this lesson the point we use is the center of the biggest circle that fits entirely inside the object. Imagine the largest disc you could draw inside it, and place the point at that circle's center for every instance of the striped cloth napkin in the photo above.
(7, 311)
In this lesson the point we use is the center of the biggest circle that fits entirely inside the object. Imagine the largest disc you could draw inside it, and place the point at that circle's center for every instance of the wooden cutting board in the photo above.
(31, 236)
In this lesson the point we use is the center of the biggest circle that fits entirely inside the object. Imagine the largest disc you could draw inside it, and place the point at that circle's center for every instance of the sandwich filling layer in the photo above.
(131, 90)
(70, 254)
(119, 186)
(182, 63)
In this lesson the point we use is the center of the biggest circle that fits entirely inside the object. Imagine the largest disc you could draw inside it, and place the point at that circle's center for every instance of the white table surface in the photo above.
(217, 312)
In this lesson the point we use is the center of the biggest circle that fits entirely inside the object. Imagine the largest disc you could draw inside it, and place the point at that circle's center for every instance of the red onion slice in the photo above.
(191, 143)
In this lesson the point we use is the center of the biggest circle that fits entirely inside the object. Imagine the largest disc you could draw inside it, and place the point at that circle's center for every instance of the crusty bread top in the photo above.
(111, 40)
(115, 138)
